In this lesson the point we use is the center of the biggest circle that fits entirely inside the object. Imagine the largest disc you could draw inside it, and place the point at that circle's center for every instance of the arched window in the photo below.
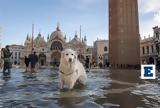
(87, 49)
(157, 35)
(105, 48)
(56, 46)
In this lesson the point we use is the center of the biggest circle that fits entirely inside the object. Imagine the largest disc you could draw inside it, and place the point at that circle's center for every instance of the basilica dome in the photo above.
(76, 40)
(39, 41)
(57, 34)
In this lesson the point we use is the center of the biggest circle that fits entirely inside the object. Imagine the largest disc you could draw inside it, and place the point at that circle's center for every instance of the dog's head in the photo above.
(69, 56)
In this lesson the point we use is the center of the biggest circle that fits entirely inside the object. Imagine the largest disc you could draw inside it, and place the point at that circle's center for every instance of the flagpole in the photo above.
(32, 35)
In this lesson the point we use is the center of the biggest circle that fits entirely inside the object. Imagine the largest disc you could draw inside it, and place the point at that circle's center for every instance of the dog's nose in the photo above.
(70, 60)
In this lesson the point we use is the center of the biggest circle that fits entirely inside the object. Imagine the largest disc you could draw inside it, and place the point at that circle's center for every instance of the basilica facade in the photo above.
(49, 52)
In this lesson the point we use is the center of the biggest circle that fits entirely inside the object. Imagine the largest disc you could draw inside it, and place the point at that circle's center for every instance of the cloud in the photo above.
(147, 6)
(150, 7)
(157, 16)
(149, 16)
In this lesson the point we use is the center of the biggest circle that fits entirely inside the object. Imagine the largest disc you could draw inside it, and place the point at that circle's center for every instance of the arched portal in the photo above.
(151, 60)
(42, 59)
(55, 58)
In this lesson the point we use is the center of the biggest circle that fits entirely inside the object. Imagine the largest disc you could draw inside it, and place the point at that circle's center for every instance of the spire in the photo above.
(82, 40)
(58, 29)
(65, 38)
(80, 32)
(69, 39)
(48, 37)
(85, 39)
(76, 36)
(39, 34)
(27, 38)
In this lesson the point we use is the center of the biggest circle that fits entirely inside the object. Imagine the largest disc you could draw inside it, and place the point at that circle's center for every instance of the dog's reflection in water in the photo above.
(77, 86)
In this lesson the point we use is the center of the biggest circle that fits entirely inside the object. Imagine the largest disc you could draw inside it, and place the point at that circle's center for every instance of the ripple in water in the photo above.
(150, 92)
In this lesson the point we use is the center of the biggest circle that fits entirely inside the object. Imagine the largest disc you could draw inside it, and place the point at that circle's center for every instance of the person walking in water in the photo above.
(87, 63)
(26, 60)
(33, 58)
(6, 54)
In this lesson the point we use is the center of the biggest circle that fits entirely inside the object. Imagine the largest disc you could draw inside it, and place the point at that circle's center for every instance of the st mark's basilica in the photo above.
(49, 52)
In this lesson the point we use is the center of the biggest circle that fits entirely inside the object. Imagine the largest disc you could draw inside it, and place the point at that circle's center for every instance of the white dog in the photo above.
(71, 70)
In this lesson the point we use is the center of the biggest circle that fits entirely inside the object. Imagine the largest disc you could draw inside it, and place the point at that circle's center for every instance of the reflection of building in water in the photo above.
(150, 47)
(49, 52)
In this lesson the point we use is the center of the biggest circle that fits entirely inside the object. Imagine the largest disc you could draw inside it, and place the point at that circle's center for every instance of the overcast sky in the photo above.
(17, 16)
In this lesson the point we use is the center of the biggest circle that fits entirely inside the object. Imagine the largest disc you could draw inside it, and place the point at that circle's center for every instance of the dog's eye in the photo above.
(72, 54)
(66, 54)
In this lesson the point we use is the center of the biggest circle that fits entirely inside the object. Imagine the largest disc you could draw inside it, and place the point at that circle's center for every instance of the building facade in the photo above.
(101, 51)
(148, 51)
(49, 52)
(150, 48)
(17, 54)
(124, 38)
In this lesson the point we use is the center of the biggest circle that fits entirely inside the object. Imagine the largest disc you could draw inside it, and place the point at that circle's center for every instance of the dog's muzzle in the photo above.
(70, 60)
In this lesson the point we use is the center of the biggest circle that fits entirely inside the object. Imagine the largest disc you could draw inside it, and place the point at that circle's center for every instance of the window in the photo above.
(143, 50)
(147, 49)
(157, 36)
(19, 54)
(15, 55)
(105, 48)
(152, 48)
(87, 49)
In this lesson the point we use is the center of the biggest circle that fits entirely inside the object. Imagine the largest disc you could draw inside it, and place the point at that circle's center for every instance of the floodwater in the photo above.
(109, 88)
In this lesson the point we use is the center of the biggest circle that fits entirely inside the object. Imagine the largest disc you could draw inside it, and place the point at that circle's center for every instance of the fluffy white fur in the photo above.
(70, 69)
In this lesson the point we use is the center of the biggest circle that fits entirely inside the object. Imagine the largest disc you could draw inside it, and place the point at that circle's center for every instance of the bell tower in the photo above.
(124, 38)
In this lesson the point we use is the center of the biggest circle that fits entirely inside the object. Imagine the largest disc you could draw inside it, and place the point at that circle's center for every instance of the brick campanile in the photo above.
(124, 38)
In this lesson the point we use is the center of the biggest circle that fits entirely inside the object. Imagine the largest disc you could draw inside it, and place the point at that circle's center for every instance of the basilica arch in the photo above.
(42, 59)
(56, 45)
(55, 58)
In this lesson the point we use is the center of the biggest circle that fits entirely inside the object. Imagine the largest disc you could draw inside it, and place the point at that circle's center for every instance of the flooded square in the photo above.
(106, 88)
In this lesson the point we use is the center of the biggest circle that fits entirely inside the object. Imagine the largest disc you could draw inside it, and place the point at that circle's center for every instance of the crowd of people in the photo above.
(30, 61)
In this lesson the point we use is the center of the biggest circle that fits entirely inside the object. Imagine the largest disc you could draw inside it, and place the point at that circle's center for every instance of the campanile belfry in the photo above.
(124, 38)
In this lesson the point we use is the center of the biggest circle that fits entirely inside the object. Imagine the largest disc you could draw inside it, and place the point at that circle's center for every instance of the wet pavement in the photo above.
(105, 89)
